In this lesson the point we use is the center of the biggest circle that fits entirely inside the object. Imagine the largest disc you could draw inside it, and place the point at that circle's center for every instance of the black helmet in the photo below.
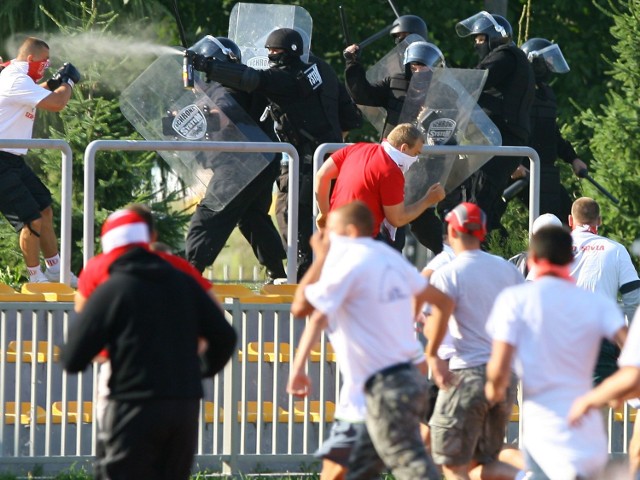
(425, 53)
(497, 29)
(233, 46)
(212, 47)
(544, 56)
(287, 39)
(410, 24)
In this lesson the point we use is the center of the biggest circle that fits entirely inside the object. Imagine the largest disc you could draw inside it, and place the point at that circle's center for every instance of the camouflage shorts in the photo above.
(397, 399)
(464, 426)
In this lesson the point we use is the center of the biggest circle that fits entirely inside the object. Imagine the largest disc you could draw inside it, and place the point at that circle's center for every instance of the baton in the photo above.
(345, 28)
(515, 188)
(584, 174)
(369, 40)
(395, 10)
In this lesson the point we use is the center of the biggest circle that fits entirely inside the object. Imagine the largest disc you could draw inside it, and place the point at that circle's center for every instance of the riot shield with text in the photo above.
(390, 64)
(251, 23)
(443, 104)
(160, 108)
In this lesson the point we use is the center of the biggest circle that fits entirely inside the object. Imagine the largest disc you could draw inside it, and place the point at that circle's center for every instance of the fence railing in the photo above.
(48, 417)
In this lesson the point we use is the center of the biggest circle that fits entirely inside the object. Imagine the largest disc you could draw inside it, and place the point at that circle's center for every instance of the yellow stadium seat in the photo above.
(25, 413)
(515, 413)
(209, 410)
(72, 412)
(316, 353)
(228, 290)
(266, 298)
(8, 294)
(284, 289)
(618, 414)
(27, 351)
(251, 414)
(53, 291)
(314, 411)
(268, 352)
(6, 289)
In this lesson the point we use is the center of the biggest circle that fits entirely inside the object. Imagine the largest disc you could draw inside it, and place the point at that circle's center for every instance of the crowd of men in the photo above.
(554, 329)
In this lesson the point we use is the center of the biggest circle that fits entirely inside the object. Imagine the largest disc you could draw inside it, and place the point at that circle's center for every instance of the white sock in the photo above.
(34, 271)
(53, 263)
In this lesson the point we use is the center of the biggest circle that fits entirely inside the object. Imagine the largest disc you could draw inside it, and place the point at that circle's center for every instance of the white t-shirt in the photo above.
(473, 279)
(446, 348)
(630, 355)
(366, 290)
(556, 329)
(19, 95)
(600, 264)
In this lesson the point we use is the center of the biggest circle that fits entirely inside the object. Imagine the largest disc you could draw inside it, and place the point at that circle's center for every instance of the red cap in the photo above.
(122, 228)
(468, 218)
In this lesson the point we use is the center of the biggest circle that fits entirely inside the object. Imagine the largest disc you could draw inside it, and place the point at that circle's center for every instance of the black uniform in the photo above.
(547, 140)
(149, 316)
(506, 99)
(212, 225)
(390, 94)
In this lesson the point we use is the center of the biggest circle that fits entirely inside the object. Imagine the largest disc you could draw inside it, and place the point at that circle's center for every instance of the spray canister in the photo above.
(187, 69)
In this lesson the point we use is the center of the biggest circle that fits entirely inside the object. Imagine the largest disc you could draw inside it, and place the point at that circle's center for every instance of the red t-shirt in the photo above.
(368, 174)
(96, 271)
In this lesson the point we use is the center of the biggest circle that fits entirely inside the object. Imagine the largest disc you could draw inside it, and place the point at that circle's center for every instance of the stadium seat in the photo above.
(268, 352)
(229, 290)
(251, 414)
(208, 411)
(284, 289)
(25, 413)
(515, 413)
(52, 291)
(266, 298)
(27, 351)
(8, 294)
(72, 412)
(618, 414)
(314, 411)
(316, 353)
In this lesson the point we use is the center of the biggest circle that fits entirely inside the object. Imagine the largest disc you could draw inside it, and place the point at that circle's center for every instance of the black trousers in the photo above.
(153, 439)
(209, 230)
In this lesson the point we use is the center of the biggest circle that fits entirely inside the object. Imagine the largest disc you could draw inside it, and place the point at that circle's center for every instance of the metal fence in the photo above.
(247, 418)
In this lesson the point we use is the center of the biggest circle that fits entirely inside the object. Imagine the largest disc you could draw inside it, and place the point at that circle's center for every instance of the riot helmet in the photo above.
(545, 58)
(407, 24)
(288, 40)
(496, 29)
(423, 53)
(212, 47)
(236, 54)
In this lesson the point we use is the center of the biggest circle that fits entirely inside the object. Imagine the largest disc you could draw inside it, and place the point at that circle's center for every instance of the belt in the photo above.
(398, 367)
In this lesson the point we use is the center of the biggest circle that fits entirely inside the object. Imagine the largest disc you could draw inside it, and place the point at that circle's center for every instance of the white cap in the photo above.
(545, 220)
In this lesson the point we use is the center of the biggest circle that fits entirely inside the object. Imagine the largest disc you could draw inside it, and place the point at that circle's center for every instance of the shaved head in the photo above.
(33, 46)
(585, 211)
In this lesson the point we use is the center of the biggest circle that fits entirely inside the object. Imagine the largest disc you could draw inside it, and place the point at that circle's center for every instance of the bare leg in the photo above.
(511, 455)
(456, 472)
(30, 243)
(48, 239)
(332, 471)
(494, 471)
(634, 449)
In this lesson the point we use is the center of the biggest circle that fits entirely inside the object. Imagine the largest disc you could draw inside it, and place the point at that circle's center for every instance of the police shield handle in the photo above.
(585, 174)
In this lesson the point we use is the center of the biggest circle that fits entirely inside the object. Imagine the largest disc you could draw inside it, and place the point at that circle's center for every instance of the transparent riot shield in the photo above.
(160, 108)
(443, 103)
(251, 23)
(390, 64)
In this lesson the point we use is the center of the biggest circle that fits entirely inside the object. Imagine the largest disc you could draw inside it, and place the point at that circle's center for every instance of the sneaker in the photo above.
(55, 277)
(39, 278)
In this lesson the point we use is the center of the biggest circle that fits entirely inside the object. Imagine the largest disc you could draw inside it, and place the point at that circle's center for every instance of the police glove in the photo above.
(351, 56)
(201, 63)
(66, 74)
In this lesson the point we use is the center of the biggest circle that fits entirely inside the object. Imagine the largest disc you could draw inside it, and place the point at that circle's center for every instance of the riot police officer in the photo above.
(546, 58)
(506, 99)
(390, 94)
(405, 25)
(294, 90)
(210, 225)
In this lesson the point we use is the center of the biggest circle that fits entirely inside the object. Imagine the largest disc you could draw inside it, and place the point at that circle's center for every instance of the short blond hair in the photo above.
(358, 214)
(31, 46)
(585, 211)
(404, 133)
